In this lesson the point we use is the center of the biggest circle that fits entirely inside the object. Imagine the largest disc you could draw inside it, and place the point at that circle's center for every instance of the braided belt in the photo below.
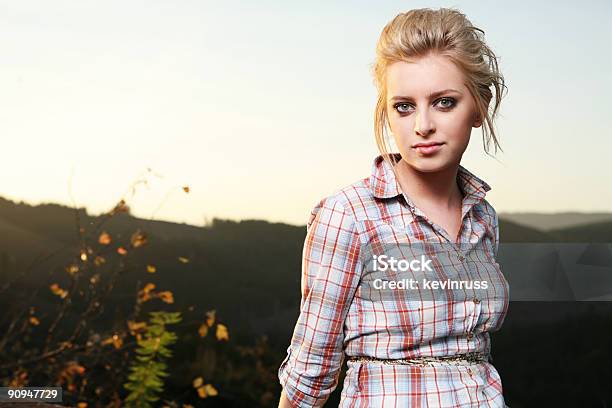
(457, 359)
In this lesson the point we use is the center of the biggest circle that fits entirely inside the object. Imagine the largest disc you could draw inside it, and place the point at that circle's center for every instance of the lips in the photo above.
(426, 144)
(428, 148)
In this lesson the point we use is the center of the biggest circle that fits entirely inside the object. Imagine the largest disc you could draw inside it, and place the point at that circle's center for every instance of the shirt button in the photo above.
(476, 300)
(461, 257)
(470, 371)
(470, 335)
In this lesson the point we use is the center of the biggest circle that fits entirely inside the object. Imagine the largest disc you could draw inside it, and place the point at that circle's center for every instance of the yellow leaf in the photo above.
(75, 368)
(34, 321)
(72, 269)
(183, 259)
(82, 405)
(222, 333)
(136, 326)
(203, 330)
(144, 295)
(206, 391)
(138, 239)
(83, 256)
(121, 251)
(186, 189)
(210, 390)
(19, 379)
(198, 382)
(98, 260)
(117, 341)
(151, 268)
(166, 296)
(210, 318)
(104, 238)
(56, 290)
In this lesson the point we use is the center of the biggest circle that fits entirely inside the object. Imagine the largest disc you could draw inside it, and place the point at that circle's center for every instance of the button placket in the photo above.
(475, 315)
(470, 309)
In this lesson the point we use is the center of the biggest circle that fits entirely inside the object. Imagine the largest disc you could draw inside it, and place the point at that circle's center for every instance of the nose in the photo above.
(423, 124)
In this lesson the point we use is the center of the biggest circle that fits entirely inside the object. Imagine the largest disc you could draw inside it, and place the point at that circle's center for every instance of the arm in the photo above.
(284, 401)
(331, 271)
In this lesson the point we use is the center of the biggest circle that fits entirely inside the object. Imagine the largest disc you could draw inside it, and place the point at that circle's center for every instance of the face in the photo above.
(428, 102)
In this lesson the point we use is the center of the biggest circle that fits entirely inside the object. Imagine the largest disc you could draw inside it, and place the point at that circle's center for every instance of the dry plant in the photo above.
(63, 349)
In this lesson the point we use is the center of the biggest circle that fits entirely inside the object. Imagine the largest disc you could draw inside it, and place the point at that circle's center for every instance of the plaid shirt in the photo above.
(335, 321)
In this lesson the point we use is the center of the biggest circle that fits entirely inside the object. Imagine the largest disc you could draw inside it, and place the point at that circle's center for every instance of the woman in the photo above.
(436, 80)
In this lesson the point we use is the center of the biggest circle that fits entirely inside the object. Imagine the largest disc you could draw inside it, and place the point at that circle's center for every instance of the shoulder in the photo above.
(489, 211)
(351, 200)
(488, 216)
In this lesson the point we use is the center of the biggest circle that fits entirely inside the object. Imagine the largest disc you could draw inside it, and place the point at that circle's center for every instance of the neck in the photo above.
(430, 189)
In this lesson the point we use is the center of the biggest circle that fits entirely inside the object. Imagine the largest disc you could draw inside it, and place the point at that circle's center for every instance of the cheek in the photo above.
(394, 123)
(402, 131)
(401, 126)
(456, 126)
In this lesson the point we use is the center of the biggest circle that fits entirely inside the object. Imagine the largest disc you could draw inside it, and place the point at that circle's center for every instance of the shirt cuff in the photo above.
(299, 392)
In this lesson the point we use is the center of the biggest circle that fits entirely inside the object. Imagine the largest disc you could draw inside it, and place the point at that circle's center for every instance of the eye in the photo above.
(405, 107)
(446, 103)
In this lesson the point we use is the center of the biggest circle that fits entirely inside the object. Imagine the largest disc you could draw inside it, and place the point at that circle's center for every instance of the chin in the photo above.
(428, 165)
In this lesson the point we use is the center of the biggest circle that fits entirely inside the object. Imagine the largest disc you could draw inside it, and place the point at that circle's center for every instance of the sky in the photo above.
(263, 108)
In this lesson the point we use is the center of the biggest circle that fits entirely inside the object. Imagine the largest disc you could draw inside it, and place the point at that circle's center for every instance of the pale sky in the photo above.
(264, 107)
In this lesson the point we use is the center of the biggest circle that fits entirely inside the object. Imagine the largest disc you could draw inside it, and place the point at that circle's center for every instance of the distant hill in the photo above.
(555, 221)
(596, 232)
(510, 231)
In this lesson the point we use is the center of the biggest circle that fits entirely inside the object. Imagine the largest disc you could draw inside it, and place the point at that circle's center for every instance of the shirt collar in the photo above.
(383, 183)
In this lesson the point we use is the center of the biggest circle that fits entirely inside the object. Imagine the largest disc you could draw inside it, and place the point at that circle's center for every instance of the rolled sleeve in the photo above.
(331, 270)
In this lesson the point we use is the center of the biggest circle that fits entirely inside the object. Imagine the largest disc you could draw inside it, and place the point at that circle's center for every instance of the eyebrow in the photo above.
(431, 95)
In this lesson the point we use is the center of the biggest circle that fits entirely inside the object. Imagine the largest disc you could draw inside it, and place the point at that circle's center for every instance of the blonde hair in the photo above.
(447, 32)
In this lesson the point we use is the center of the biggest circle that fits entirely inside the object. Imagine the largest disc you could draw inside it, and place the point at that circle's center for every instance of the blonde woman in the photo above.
(437, 80)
